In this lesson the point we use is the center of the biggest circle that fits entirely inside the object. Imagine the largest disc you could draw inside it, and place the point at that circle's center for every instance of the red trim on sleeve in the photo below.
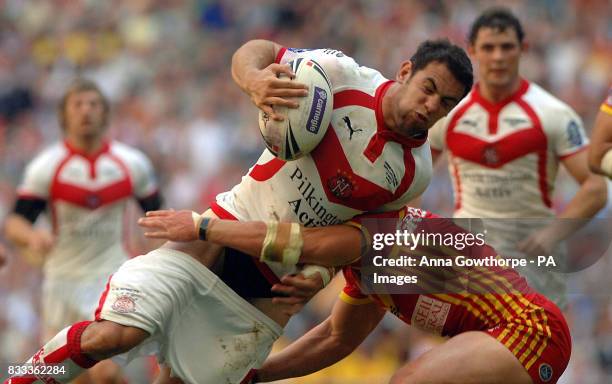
(353, 97)
(279, 55)
(98, 311)
(574, 153)
(263, 172)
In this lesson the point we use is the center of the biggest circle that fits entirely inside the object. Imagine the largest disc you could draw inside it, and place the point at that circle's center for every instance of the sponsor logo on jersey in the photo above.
(514, 121)
(546, 372)
(490, 155)
(124, 304)
(341, 185)
(471, 123)
(430, 314)
(93, 201)
(317, 110)
(310, 209)
(390, 176)
(352, 130)
(573, 134)
(299, 50)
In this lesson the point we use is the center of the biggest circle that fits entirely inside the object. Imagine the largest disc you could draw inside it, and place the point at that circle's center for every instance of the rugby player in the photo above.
(505, 142)
(173, 304)
(83, 183)
(500, 330)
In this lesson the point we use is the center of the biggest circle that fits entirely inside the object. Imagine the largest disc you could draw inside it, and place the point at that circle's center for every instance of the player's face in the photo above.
(85, 114)
(424, 97)
(497, 54)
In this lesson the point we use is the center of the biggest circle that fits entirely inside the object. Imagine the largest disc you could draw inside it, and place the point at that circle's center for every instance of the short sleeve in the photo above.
(145, 182)
(437, 135)
(340, 68)
(37, 178)
(351, 293)
(568, 135)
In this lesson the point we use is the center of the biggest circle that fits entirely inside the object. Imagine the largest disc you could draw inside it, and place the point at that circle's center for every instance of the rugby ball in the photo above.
(303, 127)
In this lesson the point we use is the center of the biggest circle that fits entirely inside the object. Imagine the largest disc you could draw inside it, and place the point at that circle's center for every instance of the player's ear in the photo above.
(471, 50)
(524, 46)
(404, 72)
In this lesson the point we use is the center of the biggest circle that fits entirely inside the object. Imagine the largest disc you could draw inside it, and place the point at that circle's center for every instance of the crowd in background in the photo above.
(165, 66)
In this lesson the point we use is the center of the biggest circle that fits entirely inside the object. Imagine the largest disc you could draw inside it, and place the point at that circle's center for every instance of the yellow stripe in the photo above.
(354, 301)
(463, 303)
(544, 343)
(606, 108)
(536, 339)
(531, 333)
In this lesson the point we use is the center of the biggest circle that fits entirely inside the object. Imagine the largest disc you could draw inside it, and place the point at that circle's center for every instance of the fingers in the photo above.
(285, 290)
(270, 112)
(277, 69)
(288, 300)
(289, 84)
(157, 235)
(281, 102)
(161, 213)
(150, 222)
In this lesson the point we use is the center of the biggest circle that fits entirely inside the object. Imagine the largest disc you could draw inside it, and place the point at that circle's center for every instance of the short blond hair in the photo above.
(79, 85)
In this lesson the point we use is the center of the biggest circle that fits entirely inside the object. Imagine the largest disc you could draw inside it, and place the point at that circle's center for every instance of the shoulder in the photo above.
(542, 100)
(49, 157)
(127, 153)
(343, 71)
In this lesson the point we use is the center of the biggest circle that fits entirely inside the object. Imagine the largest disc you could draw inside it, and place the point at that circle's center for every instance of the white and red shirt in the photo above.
(504, 157)
(86, 197)
(359, 166)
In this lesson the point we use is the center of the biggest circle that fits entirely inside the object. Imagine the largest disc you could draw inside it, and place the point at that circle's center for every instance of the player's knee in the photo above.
(104, 339)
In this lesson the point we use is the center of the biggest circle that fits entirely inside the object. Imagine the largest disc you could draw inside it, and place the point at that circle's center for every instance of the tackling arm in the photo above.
(329, 342)
(328, 246)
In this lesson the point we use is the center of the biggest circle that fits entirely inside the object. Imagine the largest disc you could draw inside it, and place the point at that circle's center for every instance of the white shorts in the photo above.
(199, 327)
(65, 302)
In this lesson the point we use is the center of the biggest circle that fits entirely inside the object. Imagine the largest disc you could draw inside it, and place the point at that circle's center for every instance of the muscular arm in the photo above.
(590, 198)
(329, 342)
(256, 73)
(601, 142)
(329, 246)
(593, 192)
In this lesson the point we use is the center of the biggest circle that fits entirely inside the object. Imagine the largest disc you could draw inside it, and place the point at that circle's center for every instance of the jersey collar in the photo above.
(522, 89)
(89, 156)
(383, 132)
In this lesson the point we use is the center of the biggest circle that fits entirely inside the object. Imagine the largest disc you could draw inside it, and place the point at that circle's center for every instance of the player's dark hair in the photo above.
(443, 51)
(76, 86)
(499, 19)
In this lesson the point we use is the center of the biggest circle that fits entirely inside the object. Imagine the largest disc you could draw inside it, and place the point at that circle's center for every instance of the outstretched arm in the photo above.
(328, 246)
(329, 342)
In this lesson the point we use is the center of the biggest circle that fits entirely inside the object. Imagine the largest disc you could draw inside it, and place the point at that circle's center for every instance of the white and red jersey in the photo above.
(86, 197)
(504, 157)
(359, 166)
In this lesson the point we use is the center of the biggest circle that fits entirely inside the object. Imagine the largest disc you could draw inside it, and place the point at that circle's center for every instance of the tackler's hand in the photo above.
(300, 288)
(170, 225)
